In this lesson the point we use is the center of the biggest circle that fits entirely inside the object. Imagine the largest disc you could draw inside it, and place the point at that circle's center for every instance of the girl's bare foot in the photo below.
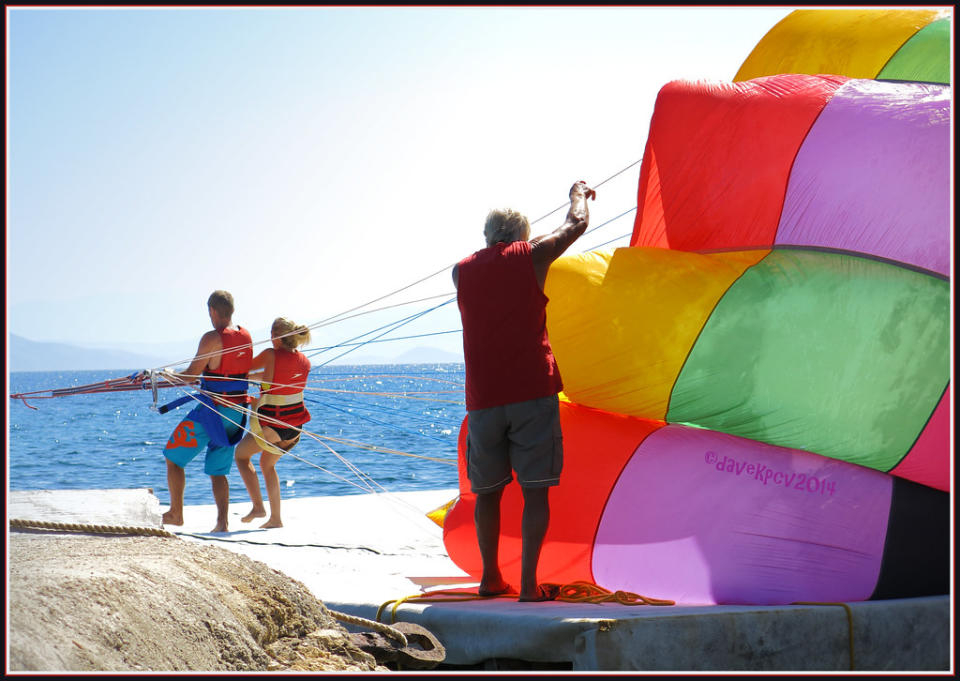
(272, 523)
(255, 513)
(171, 518)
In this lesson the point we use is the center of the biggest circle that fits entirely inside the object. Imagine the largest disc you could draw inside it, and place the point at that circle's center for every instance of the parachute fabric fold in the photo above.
(702, 518)
(857, 43)
(848, 186)
(575, 506)
(622, 322)
(842, 356)
(718, 157)
(925, 57)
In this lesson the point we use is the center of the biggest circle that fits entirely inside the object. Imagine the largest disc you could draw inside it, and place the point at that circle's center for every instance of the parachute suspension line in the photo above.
(604, 224)
(393, 328)
(216, 353)
(321, 324)
(341, 316)
(349, 465)
(366, 487)
(611, 240)
(373, 420)
(370, 482)
(383, 297)
(380, 409)
(561, 207)
(374, 394)
(593, 248)
(394, 325)
(348, 343)
(353, 375)
(125, 383)
(364, 477)
(619, 172)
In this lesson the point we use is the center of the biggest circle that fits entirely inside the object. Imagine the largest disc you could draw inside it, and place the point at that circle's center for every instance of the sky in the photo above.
(312, 160)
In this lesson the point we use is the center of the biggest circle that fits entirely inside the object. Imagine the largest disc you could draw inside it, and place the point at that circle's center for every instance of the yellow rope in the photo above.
(574, 592)
(849, 621)
(95, 529)
(587, 592)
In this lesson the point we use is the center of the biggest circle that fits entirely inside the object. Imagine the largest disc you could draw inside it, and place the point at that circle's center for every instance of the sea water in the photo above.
(116, 440)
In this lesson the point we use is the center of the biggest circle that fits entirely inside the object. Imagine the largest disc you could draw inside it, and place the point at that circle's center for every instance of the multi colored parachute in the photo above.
(757, 389)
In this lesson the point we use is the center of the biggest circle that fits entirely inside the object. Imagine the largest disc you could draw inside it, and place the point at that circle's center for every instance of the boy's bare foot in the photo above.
(271, 523)
(255, 513)
(171, 518)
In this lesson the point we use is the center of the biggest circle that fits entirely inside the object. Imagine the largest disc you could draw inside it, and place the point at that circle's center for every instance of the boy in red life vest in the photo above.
(280, 412)
(512, 381)
(216, 423)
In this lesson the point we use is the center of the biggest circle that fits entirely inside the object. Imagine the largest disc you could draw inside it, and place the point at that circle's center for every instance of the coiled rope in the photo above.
(573, 592)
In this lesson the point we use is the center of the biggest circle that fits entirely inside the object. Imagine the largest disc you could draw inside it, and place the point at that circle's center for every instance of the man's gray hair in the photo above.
(506, 225)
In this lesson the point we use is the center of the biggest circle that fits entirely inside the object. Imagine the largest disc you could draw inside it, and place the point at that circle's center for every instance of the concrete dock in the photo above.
(360, 554)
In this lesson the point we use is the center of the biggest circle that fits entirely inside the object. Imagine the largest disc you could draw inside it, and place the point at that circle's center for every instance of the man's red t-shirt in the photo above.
(506, 350)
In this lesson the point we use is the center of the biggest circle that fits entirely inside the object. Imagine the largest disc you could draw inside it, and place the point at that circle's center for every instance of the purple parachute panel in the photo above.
(710, 518)
(873, 175)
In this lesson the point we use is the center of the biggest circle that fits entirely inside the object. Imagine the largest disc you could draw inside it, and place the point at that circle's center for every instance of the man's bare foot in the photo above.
(171, 518)
(271, 523)
(221, 527)
(255, 513)
(544, 592)
(494, 589)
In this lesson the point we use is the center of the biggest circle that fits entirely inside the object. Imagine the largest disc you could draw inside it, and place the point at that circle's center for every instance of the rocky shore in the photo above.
(82, 603)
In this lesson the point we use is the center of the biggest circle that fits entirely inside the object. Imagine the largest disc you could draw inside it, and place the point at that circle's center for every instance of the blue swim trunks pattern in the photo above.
(190, 437)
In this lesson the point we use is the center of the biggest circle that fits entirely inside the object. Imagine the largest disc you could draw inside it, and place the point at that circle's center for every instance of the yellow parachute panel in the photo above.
(622, 322)
(852, 42)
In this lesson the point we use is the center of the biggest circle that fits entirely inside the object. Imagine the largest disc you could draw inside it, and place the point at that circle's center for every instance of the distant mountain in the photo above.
(28, 355)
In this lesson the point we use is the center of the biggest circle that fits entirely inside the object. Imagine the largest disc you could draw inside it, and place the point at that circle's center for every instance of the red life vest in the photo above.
(284, 398)
(229, 379)
(505, 345)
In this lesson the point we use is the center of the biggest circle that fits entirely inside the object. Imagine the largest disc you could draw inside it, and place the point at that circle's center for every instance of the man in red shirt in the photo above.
(512, 381)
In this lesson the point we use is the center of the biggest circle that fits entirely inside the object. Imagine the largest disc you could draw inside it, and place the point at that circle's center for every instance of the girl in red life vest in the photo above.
(274, 429)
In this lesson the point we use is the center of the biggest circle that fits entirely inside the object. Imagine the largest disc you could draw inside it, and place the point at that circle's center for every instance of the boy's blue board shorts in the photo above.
(190, 438)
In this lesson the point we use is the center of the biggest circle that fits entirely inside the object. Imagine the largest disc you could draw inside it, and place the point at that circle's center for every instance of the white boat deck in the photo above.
(358, 553)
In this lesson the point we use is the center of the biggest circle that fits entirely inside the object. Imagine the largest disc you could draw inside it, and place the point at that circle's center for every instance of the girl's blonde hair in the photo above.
(290, 334)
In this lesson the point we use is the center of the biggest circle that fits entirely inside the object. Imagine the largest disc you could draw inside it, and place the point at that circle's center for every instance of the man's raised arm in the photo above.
(549, 247)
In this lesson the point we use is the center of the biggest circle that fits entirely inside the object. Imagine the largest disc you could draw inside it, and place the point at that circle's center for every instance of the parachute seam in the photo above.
(704, 326)
(920, 433)
(793, 163)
